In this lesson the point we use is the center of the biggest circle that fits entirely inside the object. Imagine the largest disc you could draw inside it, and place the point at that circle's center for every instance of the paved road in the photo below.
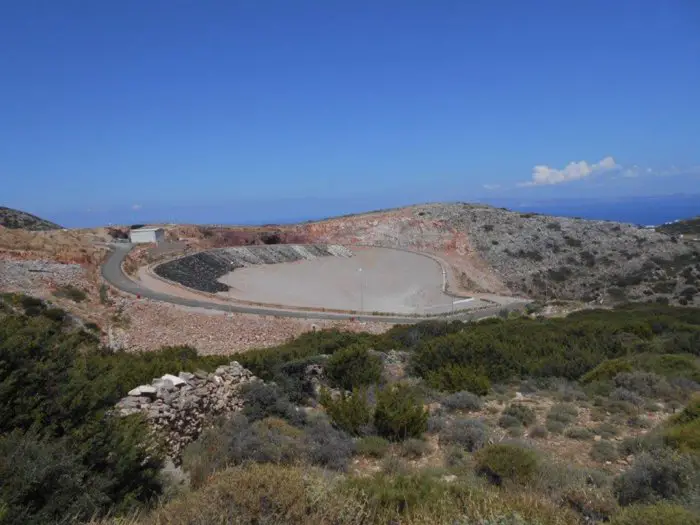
(112, 272)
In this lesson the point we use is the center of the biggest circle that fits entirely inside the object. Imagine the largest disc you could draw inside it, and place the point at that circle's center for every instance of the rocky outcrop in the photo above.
(179, 407)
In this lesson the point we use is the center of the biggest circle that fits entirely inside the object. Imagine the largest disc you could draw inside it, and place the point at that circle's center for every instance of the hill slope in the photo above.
(684, 227)
(500, 251)
(16, 219)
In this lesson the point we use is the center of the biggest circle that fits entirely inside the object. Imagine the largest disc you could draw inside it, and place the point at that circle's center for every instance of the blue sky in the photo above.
(144, 109)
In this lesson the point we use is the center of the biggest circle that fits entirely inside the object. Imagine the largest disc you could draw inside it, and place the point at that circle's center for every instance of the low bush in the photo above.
(55, 314)
(71, 292)
(606, 430)
(649, 442)
(353, 367)
(263, 400)
(522, 413)
(661, 475)
(593, 504)
(269, 440)
(399, 413)
(538, 432)
(603, 451)
(683, 431)
(414, 448)
(436, 423)
(579, 433)
(462, 401)
(372, 446)
(563, 413)
(352, 413)
(506, 463)
(607, 370)
(46, 476)
(658, 514)
(470, 434)
(509, 422)
(555, 427)
(645, 384)
(454, 378)
(326, 446)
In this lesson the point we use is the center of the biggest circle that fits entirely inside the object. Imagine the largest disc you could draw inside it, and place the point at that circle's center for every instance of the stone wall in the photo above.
(179, 407)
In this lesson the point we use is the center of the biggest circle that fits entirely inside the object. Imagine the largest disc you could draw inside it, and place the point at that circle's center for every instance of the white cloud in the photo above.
(632, 172)
(136, 207)
(542, 175)
(491, 187)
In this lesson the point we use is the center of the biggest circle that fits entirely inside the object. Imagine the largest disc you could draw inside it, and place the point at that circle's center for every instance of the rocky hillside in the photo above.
(501, 251)
(16, 219)
(684, 227)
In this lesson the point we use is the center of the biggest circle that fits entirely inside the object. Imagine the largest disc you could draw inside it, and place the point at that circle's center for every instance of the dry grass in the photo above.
(291, 495)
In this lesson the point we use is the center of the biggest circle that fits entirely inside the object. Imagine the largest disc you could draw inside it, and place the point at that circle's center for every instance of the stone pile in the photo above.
(179, 407)
(33, 276)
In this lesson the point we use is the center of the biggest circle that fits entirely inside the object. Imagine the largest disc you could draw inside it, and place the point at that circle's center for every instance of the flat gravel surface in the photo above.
(373, 280)
(112, 272)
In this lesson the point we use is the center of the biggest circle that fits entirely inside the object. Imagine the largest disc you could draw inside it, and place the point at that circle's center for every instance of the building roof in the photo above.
(146, 229)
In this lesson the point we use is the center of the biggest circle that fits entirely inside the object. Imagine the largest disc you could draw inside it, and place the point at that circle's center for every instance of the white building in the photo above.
(145, 235)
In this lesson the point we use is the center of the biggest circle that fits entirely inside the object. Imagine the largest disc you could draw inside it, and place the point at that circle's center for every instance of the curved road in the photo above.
(112, 273)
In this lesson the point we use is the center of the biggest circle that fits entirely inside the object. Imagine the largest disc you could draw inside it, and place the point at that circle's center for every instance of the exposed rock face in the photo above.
(179, 407)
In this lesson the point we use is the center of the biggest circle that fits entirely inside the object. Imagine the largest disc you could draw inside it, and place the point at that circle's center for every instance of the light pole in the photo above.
(362, 292)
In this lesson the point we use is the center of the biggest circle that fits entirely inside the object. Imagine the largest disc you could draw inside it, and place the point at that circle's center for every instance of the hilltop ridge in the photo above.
(17, 219)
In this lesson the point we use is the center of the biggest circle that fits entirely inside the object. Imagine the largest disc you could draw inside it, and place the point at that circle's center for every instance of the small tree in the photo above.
(353, 367)
(351, 413)
(399, 413)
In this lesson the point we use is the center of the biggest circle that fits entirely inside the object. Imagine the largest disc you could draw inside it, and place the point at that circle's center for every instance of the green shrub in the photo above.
(399, 413)
(372, 446)
(603, 451)
(58, 384)
(579, 433)
(351, 413)
(522, 413)
(353, 367)
(455, 378)
(657, 476)
(658, 514)
(470, 434)
(44, 480)
(266, 362)
(502, 462)
(683, 431)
